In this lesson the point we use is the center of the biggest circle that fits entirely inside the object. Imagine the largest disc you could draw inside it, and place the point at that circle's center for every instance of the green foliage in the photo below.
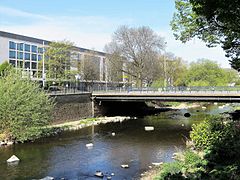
(171, 171)
(219, 137)
(208, 73)
(25, 108)
(4, 67)
(191, 167)
(213, 21)
(158, 83)
(58, 56)
(194, 166)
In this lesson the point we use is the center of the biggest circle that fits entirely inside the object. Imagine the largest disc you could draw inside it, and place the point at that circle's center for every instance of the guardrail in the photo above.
(195, 89)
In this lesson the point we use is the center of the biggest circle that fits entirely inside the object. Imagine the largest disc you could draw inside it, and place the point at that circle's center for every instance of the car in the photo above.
(53, 88)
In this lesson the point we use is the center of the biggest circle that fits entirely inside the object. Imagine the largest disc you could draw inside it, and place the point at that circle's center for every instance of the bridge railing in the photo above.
(178, 89)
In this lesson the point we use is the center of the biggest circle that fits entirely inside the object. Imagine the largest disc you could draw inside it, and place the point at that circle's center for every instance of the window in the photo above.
(20, 46)
(27, 56)
(40, 50)
(34, 65)
(27, 47)
(12, 45)
(19, 64)
(20, 55)
(34, 57)
(34, 48)
(12, 54)
(12, 62)
(27, 65)
(39, 57)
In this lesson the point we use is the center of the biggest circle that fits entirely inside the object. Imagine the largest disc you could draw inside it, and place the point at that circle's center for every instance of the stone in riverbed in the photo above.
(157, 163)
(125, 166)
(47, 178)
(187, 115)
(149, 128)
(13, 159)
(99, 174)
(89, 145)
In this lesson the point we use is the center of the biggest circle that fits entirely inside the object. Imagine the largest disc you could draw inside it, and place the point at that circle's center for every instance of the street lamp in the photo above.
(165, 73)
(164, 69)
(43, 66)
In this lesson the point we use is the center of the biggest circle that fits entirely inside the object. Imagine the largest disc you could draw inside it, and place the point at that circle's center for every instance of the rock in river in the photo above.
(13, 159)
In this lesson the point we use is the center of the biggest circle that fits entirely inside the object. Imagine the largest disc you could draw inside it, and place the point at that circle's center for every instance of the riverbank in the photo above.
(55, 129)
(76, 125)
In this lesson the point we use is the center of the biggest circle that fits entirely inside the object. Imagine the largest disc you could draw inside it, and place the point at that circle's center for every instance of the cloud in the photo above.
(6, 11)
(94, 32)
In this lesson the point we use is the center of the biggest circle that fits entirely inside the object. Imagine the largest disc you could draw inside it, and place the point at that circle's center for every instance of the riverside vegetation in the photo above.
(25, 109)
(213, 153)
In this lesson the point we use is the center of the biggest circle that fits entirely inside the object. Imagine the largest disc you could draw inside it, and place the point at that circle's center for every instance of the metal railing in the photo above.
(179, 89)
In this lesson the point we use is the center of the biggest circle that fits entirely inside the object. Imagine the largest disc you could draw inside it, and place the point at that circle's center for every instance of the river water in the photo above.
(66, 155)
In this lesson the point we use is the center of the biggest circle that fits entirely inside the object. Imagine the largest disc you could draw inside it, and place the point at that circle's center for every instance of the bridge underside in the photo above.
(230, 98)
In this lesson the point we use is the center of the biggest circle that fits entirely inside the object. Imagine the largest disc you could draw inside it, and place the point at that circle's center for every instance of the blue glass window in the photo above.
(12, 54)
(27, 56)
(12, 62)
(12, 45)
(27, 65)
(27, 47)
(34, 57)
(34, 65)
(34, 48)
(20, 55)
(40, 50)
(39, 57)
(20, 46)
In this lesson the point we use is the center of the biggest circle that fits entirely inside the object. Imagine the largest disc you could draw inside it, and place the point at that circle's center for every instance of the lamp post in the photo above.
(165, 73)
(164, 69)
(43, 67)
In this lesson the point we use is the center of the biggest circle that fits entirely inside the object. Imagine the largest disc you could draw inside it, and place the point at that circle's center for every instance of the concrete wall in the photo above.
(72, 107)
(4, 52)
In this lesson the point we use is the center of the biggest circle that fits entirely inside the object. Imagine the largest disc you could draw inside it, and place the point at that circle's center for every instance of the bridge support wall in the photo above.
(71, 107)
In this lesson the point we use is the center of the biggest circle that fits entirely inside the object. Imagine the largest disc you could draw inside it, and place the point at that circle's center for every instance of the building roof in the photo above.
(40, 41)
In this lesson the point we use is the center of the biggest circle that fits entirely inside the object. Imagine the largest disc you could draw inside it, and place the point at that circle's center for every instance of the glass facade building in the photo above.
(25, 52)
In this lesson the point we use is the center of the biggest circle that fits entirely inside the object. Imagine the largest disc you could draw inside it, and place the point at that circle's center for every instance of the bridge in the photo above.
(72, 103)
(183, 96)
(191, 94)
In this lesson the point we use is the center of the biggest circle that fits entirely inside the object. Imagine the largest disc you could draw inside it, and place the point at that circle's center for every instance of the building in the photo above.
(25, 52)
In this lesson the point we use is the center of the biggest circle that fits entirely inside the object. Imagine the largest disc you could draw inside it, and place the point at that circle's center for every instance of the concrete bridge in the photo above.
(184, 96)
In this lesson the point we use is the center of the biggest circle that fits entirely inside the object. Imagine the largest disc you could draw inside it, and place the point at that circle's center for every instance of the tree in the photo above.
(173, 72)
(90, 67)
(213, 21)
(4, 67)
(25, 108)
(137, 49)
(57, 59)
(208, 73)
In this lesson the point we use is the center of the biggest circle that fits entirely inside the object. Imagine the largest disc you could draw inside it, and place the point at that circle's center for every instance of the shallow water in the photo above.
(66, 155)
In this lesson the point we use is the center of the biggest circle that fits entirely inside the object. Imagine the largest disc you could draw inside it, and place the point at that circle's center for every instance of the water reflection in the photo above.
(67, 156)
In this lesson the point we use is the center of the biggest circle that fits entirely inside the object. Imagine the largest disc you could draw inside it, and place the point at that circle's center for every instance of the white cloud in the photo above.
(6, 11)
(94, 32)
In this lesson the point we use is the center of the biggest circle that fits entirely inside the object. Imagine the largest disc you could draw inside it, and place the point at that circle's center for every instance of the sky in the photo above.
(91, 23)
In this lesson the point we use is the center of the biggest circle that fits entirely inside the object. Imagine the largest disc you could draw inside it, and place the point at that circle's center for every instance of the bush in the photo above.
(171, 171)
(24, 107)
(220, 138)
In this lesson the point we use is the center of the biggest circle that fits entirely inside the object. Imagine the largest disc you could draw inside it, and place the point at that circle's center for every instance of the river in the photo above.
(66, 155)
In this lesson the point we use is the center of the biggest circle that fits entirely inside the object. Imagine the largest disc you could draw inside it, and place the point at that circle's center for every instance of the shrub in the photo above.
(24, 107)
(171, 171)
(220, 138)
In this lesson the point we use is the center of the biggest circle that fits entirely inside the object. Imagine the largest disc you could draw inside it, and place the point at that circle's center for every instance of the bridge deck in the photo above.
(214, 96)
